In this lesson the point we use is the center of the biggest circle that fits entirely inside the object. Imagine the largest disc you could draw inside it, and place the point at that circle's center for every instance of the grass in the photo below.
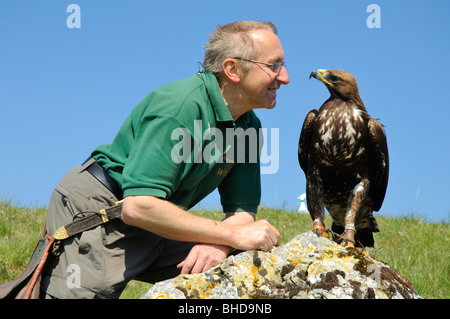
(416, 249)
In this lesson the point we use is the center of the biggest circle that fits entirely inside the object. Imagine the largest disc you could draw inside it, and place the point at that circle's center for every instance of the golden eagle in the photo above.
(344, 155)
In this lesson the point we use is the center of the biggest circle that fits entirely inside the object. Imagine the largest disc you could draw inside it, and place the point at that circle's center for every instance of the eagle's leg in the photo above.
(316, 208)
(355, 205)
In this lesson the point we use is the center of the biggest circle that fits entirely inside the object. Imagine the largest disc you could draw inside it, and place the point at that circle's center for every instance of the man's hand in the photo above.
(260, 235)
(248, 234)
(203, 257)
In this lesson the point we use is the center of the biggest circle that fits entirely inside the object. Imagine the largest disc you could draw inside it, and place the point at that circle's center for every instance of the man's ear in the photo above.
(231, 70)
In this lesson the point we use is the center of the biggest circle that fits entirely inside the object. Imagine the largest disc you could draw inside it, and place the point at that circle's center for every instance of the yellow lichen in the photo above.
(254, 271)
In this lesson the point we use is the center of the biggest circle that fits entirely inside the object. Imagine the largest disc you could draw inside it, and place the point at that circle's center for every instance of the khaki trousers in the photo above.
(100, 262)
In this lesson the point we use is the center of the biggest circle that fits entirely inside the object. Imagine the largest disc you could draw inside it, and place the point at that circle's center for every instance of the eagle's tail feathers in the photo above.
(364, 237)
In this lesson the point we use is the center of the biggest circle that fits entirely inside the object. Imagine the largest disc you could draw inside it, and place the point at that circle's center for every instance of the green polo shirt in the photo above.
(180, 143)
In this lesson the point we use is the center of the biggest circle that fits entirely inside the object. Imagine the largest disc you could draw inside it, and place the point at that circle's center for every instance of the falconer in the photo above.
(156, 237)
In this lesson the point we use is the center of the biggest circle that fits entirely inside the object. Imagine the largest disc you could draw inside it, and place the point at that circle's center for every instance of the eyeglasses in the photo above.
(274, 67)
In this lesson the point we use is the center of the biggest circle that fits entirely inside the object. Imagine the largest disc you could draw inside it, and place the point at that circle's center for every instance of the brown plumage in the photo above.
(343, 153)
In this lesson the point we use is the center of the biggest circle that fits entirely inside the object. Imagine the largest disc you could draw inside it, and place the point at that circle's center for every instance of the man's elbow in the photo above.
(128, 214)
(135, 208)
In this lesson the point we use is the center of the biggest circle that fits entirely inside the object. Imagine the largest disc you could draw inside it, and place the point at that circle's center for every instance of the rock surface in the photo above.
(306, 267)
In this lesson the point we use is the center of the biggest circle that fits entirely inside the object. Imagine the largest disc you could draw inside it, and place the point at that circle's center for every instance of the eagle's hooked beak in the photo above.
(318, 74)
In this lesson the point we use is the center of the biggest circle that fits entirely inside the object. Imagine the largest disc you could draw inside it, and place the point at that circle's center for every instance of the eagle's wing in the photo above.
(379, 146)
(305, 139)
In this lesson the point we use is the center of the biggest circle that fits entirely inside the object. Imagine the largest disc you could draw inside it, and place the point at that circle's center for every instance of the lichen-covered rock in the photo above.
(305, 267)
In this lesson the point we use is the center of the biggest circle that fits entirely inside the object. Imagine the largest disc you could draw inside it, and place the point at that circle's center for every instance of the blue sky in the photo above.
(64, 91)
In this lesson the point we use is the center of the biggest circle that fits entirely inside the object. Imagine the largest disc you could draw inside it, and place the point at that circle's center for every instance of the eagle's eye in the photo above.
(334, 78)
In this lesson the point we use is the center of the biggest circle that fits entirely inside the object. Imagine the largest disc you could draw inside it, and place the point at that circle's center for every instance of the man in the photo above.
(156, 238)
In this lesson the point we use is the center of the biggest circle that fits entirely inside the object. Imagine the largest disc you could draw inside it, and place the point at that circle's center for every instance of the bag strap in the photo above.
(31, 289)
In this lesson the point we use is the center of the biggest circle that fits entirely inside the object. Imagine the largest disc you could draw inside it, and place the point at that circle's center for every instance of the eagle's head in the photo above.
(341, 84)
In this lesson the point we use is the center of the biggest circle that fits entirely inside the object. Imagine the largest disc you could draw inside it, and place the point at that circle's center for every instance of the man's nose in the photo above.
(283, 76)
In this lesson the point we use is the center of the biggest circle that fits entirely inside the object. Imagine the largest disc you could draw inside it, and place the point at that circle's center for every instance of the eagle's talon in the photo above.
(347, 243)
(319, 229)
(348, 238)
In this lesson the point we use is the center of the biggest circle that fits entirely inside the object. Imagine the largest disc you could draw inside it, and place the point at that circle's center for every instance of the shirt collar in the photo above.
(215, 96)
(220, 109)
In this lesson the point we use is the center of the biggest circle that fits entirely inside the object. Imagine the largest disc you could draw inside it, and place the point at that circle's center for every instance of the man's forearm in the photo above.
(169, 221)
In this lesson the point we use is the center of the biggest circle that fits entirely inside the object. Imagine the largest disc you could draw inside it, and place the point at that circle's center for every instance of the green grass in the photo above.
(416, 249)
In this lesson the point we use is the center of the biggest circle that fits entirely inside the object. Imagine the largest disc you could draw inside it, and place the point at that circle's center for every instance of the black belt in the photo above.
(103, 177)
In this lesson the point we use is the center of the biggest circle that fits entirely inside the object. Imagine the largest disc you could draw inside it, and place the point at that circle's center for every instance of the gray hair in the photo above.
(233, 40)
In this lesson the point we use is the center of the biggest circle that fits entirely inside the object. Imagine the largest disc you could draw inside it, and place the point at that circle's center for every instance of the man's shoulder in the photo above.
(171, 98)
(181, 89)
